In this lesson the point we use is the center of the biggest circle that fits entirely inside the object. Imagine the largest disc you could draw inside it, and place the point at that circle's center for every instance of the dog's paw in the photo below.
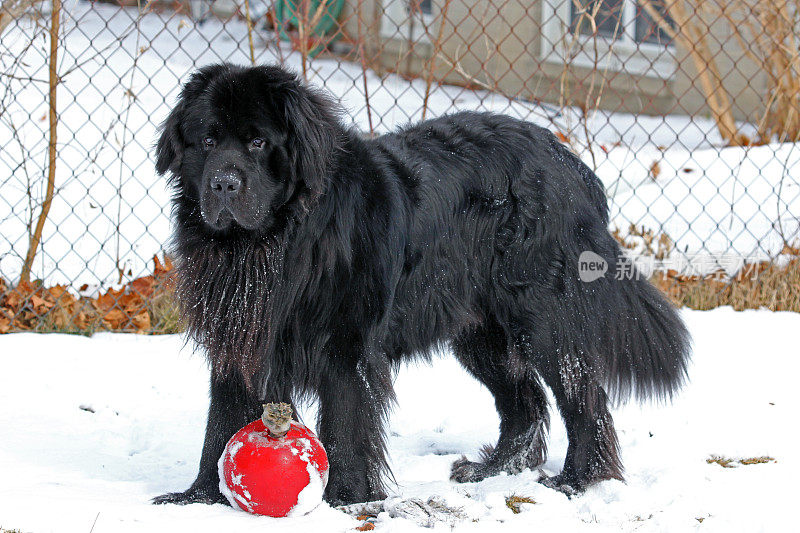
(193, 495)
(465, 471)
(563, 485)
(347, 490)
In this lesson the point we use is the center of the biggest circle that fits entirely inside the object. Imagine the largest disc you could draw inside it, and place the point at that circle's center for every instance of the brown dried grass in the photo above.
(730, 462)
(762, 285)
(514, 502)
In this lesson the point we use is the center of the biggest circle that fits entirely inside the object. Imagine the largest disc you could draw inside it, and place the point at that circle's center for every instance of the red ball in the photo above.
(265, 475)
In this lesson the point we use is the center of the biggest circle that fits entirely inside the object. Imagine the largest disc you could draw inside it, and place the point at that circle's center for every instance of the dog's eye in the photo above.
(258, 142)
(209, 142)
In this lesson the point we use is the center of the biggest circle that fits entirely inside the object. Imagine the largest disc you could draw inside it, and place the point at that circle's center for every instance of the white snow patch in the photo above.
(150, 395)
(223, 486)
(311, 496)
(234, 448)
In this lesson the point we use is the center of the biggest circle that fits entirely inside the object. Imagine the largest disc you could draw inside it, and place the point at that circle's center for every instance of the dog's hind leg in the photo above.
(520, 400)
(593, 450)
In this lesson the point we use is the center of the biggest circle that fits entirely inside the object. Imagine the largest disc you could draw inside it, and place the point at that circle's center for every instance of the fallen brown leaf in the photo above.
(655, 170)
(144, 286)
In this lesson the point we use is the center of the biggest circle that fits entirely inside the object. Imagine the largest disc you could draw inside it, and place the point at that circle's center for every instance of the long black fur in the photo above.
(341, 257)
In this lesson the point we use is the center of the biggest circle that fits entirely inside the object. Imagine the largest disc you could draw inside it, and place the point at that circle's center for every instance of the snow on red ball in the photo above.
(274, 476)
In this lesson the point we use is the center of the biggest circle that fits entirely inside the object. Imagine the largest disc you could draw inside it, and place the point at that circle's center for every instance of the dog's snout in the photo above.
(225, 184)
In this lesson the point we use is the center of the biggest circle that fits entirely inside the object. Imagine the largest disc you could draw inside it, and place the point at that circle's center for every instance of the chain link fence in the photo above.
(688, 110)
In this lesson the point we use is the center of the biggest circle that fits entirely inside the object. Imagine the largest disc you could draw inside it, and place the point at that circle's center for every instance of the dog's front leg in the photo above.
(231, 408)
(354, 401)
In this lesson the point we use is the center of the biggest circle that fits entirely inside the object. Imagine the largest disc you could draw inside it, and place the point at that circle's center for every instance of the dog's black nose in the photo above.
(225, 184)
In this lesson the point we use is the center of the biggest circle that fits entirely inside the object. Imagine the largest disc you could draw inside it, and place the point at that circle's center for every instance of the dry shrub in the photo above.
(767, 31)
(11, 10)
(690, 29)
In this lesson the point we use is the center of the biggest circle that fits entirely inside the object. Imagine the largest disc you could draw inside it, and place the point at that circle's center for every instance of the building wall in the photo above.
(499, 46)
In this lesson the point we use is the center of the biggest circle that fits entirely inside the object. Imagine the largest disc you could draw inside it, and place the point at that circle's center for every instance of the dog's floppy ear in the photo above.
(169, 150)
(314, 135)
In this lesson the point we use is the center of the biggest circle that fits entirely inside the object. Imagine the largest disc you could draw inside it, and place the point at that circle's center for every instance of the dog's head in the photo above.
(246, 144)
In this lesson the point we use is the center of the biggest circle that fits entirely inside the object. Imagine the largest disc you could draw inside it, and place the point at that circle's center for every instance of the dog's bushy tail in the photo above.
(646, 348)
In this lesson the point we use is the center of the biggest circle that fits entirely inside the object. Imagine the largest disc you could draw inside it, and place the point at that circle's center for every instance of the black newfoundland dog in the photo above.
(312, 261)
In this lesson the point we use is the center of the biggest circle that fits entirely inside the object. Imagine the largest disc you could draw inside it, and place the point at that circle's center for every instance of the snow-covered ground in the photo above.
(121, 78)
(65, 468)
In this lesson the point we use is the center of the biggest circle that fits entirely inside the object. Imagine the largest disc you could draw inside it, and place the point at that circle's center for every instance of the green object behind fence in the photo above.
(286, 12)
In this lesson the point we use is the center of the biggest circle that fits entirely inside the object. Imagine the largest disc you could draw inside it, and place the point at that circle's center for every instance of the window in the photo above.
(425, 7)
(627, 40)
(407, 19)
(609, 20)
